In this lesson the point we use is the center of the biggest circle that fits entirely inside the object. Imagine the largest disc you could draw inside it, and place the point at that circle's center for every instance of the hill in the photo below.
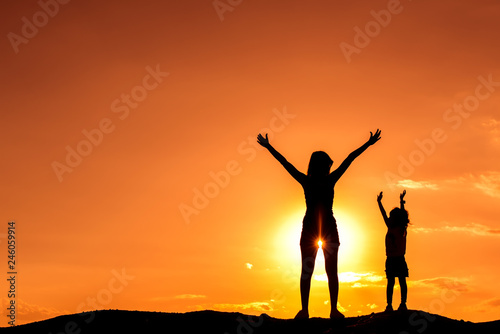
(116, 321)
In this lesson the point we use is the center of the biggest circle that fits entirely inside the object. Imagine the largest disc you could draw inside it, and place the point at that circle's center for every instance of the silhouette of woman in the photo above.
(319, 223)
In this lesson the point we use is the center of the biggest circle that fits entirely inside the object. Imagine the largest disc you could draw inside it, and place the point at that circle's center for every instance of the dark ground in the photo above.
(115, 321)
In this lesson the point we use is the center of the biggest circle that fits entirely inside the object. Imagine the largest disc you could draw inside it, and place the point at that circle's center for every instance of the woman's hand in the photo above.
(379, 197)
(263, 141)
(374, 137)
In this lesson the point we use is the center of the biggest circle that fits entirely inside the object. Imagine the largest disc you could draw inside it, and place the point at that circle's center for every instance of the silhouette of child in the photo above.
(319, 223)
(395, 249)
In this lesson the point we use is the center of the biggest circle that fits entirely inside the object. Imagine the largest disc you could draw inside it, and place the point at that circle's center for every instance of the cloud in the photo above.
(489, 305)
(321, 278)
(27, 313)
(488, 183)
(249, 265)
(170, 298)
(340, 308)
(493, 128)
(495, 302)
(189, 296)
(254, 306)
(357, 279)
(472, 228)
(417, 184)
(442, 283)
(349, 277)
(491, 123)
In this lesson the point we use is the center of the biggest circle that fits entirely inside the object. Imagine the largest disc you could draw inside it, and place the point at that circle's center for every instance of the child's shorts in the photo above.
(395, 266)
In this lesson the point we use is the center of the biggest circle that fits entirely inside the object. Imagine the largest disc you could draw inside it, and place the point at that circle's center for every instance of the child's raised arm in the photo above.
(401, 199)
(382, 210)
(264, 141)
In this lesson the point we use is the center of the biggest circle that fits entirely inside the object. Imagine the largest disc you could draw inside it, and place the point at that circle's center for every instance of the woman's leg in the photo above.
(308, 253)
(331, 265)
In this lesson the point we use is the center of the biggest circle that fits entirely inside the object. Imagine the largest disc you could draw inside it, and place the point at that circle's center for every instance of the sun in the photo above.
(352, 238)
(286, 240)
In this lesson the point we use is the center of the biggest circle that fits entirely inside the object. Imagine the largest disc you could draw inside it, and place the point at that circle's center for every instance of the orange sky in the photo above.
(173, 94)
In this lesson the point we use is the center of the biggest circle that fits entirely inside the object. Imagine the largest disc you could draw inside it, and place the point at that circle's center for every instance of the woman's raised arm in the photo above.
(354, 154)
(264, 141)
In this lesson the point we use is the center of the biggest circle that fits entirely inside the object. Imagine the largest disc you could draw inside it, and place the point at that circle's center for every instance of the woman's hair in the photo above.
(399, 217)
(320, 164)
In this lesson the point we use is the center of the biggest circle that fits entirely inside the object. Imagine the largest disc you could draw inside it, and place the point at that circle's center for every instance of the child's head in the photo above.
(399, 218)
(320, 164)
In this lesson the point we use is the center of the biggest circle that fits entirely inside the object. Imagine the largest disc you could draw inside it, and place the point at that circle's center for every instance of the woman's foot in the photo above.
(388, 309)
(335, 315)
(402, 307)
(303, 314)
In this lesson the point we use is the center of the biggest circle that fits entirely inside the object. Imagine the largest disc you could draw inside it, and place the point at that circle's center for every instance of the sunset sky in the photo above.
(131, 168)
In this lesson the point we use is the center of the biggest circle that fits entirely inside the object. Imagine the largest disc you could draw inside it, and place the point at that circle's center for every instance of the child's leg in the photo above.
(404, 289)
(390, 289)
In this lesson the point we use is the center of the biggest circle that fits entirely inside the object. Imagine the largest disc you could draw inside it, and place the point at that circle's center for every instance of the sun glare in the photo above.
(286, 241)
(351, 237)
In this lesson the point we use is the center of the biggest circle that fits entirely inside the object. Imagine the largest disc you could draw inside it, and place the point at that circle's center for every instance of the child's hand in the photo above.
(263, 141)
(401, 197)
(379, 197)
